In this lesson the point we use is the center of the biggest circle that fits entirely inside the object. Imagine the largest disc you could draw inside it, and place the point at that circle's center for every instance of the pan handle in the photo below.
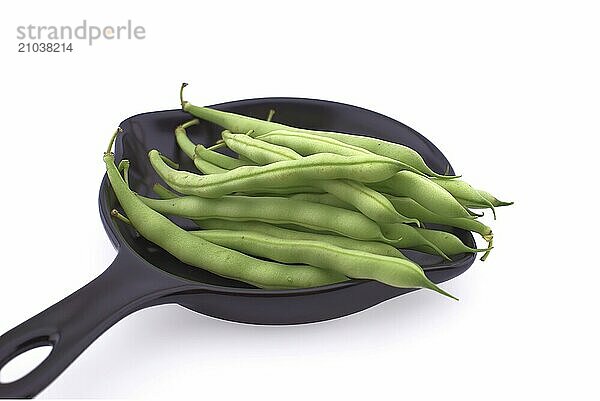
(72, 324)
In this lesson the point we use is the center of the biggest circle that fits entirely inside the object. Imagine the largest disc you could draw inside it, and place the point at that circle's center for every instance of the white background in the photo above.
(510, 93)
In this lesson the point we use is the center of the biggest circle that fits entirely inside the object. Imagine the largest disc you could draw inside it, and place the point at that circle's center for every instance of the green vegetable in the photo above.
(197, 252)
(352, 263)
(280, 174)
(241, 124)
(366, 200)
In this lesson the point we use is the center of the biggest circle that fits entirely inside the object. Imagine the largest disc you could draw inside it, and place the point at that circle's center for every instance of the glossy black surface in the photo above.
(143, 274)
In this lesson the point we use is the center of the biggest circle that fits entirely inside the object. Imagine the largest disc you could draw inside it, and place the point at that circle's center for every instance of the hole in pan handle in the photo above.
(72, 324)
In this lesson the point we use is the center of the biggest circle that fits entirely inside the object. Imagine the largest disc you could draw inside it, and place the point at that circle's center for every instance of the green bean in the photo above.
(219, 159)
(206, 163)
(281, 191)
(123, 167)
(258, 151)
(169, 162)
(351, 263)
(410, 238)
(384, 148)
(272, 210)
(449, 243)
(424, 191)
(471, 197)
(220, 142)
(200, 253)
(240, 124)
(280, 174)
(472, 213)
(183, 140)
(282, 211)
(368, 201)
(233, 122)
(215, 229)
(207, 167)
(438, 241)
(410, 207)
(275, 231)
(464, 193)
(309, 144)
(378, 248)
(325, 199)
(406, 182)
(163, 192)
(492, 199)
(188, 147)
(245, 159)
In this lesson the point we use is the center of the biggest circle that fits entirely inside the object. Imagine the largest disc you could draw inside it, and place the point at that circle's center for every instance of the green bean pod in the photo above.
(492, 199)
(325, 199)
(219, 159)
(272, 210)
(407, 237)
(411, 238)
(123, 168)
(428, 241)
(260, 152)
(309, 144)
(210, 162)
(465, 193)
(241, 124)
(285, 211)
(189, 148)
(281, 191)
(424, 191)
(472, 213)
(200, 253)
(412, 208)
(378, 248)
(230, 121)
(206, 167)
(449, 243)
(351, 263)
(380, 147)
(280, 174)
(183, 140)
(368, 201)
(163, 192)
(169, 162)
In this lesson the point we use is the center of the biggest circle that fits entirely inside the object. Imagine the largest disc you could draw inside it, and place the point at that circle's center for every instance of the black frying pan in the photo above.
(143, 275)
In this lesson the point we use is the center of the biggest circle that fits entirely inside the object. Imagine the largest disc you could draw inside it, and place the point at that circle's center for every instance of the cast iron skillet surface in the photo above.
(143, 275)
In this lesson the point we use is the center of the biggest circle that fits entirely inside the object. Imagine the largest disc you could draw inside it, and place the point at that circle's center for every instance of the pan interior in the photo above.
(155, 131)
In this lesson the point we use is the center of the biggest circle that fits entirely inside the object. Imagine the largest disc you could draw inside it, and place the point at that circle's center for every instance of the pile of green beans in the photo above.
(302, 208)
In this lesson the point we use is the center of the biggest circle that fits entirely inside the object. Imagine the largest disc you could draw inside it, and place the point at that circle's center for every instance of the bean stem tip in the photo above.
(183, 102)
(117, 215)
(487, 252)
(112, 140)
